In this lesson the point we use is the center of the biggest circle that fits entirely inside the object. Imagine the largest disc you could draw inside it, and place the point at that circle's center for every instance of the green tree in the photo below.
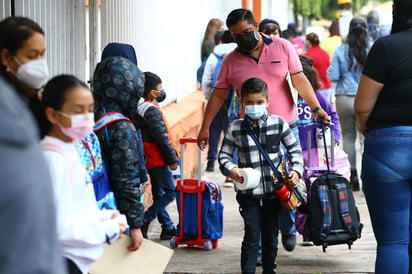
(323, 9)
(308, 8)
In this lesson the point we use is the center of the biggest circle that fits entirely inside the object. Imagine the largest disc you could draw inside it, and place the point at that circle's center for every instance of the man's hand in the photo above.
(322, 115)
(203, 138)
(213, 105)
(137, 239)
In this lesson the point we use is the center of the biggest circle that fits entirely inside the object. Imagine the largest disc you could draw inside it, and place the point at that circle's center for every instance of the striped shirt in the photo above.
(272, 131)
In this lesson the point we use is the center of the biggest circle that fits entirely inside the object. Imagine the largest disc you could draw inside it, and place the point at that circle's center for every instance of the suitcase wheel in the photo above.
(173, 243)
(207, 245)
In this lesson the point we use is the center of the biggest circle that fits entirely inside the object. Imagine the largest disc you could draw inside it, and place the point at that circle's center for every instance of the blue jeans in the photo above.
(260, 217)
(387, 178)
(163, 189)
(218, 125)
(287, 217)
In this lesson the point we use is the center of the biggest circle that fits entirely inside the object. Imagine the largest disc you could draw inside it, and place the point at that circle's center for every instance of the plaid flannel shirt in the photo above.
(272, 130)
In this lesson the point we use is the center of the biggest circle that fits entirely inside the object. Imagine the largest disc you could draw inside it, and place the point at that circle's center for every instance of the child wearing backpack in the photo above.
(259, 206)
(67, 115)
(161, 155)
(221, 121)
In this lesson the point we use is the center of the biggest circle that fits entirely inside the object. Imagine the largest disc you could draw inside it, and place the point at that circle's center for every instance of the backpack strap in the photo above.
(109, 118)
(326, 210)
(58, 149)
(86, 145)
(217, 69)
(344, 209)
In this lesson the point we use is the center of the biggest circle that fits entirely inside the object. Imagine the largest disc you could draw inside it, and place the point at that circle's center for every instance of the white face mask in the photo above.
(255, 111)
(33, 73)
(81, 125)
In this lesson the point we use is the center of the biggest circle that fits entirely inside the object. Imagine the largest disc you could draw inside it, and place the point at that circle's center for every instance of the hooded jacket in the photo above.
(127, 51)
(211, 63)
(26, 195)
(118, 85)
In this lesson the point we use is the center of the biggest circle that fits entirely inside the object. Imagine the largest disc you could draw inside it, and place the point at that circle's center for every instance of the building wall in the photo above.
(165, 33)
(64, 25)
(5, 9)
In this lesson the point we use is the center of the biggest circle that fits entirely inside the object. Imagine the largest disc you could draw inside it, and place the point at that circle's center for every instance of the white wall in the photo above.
(277, 10)
(169, 39)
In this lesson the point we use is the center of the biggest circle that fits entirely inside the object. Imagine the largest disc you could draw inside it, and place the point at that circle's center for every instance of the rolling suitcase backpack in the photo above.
(200, 208)
(333, 215)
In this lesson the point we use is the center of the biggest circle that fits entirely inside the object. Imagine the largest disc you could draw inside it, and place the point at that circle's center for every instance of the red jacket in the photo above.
(321, 62)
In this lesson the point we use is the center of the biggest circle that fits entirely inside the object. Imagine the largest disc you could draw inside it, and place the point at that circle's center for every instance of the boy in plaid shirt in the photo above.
(259, 207)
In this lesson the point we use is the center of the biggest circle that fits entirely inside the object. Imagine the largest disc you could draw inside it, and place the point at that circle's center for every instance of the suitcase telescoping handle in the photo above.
(311, 128)
(182, 143)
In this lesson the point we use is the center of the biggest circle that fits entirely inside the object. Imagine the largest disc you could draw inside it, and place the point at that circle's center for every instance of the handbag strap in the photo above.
(263, 152)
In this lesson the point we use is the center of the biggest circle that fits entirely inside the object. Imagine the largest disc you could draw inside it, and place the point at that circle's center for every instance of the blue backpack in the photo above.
(90, 155)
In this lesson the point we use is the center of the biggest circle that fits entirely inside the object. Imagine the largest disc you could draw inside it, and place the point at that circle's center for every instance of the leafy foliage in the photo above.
(323, 9)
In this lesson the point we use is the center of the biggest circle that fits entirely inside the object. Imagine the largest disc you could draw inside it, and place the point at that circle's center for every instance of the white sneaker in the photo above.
(228, 182)
(307, 243)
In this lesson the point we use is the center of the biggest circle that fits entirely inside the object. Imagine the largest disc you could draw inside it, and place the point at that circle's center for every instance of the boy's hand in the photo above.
(293, 179)
(235, 175)
(173, 166)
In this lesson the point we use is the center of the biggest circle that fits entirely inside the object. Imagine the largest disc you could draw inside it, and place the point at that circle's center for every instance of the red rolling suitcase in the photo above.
(200, 208)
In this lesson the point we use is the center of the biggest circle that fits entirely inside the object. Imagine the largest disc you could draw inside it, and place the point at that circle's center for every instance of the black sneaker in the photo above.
(289, 242)
(167, 234)
(144, 229)
(210, 166)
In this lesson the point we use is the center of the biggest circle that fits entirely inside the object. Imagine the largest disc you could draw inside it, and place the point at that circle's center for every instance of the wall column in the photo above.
(255, 6)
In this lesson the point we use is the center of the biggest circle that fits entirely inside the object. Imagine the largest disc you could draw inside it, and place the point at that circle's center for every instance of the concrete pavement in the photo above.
(304, 259)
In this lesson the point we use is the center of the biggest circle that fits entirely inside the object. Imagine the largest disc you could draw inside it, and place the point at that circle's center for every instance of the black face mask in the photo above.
(247, 41)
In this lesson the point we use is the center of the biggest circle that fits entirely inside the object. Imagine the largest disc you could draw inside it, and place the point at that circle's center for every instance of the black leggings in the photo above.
(72, 267)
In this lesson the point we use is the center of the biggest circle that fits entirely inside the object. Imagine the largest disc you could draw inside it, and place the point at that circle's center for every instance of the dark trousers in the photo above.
(72, 267)
(261, 218)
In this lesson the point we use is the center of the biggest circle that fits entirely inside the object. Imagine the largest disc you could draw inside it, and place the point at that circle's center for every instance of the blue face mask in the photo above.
(255, 112)
(162, 97)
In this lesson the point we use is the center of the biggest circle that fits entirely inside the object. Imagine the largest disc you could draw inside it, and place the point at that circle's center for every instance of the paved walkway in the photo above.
(304, 259)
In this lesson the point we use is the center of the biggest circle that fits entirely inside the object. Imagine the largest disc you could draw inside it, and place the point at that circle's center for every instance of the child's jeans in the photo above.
(260, 217)
(163, 189)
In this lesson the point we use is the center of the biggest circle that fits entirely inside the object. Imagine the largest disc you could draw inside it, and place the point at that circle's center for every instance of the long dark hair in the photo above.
(310, 72)
(14, 31)
(402, 15)
(54, 96)
(358, 41)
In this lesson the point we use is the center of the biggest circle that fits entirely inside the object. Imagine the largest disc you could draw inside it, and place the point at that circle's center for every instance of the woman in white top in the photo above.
(82, 229)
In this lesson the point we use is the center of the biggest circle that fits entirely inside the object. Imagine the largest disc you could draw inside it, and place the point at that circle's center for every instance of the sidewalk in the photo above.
(304, 259)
